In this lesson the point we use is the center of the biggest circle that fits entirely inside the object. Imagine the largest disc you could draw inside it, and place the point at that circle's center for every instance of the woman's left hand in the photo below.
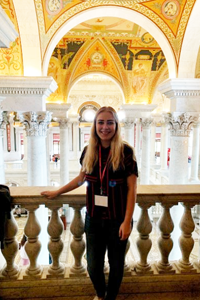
(125, 230)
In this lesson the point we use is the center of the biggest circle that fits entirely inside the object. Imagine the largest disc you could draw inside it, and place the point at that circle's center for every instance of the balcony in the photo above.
(162, 279)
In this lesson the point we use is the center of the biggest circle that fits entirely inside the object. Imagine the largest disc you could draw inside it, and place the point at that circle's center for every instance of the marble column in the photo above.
(138, 140)
(48, 158)
(76, 137)
(195, 154)
(12, 134)
(17, 134)
(36, 128)
(3, 121)
(153, 140)
(164, 145)
(145, 157)
(129, 131)
(64, 151)
(5, 142)
(180, 126)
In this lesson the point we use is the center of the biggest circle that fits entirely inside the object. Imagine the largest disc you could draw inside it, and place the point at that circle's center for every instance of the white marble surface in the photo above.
(36, 162)
(145, 158)
(153, 140)
(164, 146)
(138, 110)
(26, 93)
(195, 154)
(178, 168)
(29, 35)
(190, 46)
(64, 156)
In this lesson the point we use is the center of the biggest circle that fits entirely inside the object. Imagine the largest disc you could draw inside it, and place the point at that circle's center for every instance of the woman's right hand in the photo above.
(50, 194)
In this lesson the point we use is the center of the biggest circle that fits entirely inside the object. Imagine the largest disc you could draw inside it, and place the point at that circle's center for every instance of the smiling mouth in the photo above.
(105, 133)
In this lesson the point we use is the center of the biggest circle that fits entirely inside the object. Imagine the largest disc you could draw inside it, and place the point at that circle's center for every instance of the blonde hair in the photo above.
(117, 145)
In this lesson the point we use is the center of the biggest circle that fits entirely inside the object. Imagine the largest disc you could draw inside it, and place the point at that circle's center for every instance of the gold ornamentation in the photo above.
(170, 9)
(136, 5)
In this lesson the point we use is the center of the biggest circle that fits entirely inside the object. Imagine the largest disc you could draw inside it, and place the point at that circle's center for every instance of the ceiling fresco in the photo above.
(11, 58)
(130, 55)
(171, 16)
(108, 45)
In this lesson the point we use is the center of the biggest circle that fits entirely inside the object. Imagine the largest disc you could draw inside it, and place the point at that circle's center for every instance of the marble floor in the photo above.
(132, 256)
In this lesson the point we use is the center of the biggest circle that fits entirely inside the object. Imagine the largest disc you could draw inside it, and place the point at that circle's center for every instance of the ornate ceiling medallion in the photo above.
(53, 7)
(170, 9)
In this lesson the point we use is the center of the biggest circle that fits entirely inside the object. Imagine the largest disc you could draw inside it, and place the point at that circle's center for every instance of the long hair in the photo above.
(117, 145)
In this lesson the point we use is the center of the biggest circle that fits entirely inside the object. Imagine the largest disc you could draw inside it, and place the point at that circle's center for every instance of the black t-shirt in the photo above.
(114, 185)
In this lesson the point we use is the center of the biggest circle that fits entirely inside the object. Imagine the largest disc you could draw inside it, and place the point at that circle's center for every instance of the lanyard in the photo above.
(101, 175)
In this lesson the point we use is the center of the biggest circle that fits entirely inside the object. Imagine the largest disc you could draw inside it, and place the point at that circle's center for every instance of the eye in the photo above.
(100, 122)
(111, 122)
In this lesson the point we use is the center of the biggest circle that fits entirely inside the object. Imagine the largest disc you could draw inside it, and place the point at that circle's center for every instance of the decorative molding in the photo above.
(27, 85)
(63, 123)
(182, 93)
(146, 123)
(35, 123)
(177, 87)
(180, 125)
(129, 123)
(21, 91)
(3, 119)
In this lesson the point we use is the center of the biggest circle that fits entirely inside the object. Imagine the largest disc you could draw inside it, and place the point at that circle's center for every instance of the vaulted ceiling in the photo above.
(137, 43)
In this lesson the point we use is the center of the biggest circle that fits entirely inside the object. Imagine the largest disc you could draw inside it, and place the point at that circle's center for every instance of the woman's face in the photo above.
(105, 127)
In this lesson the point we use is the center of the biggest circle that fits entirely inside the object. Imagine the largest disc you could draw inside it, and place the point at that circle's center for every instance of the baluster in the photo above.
(55, 245)
(186, 241)
(10, 248)
(127, 269)
(144, 244)
(165, 242)
(33, 245)
(78, 244)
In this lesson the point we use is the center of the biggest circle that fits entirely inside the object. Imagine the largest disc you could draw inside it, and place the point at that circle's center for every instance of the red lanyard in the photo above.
(101, 175)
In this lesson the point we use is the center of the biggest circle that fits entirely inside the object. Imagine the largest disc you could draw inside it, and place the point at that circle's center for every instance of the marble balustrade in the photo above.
(148, 195)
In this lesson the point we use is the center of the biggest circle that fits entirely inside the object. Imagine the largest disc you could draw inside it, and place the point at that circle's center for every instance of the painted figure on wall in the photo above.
(170, 9)
(53, 7)
(139, 78)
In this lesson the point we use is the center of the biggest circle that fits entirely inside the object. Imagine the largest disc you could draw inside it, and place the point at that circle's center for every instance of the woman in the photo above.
(109, 167)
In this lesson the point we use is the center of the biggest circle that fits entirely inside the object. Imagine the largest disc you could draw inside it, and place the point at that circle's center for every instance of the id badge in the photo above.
(101, 200)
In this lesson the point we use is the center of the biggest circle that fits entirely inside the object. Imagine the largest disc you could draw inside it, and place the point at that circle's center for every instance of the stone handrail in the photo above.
(147, 196)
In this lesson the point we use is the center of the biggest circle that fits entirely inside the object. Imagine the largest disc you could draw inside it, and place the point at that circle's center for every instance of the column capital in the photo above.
(3, 119)
(63, 123)
(35, 123)
(180, 125)
(146, 122)
(129, 122)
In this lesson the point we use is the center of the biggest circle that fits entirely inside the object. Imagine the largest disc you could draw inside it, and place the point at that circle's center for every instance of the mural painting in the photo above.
(11, 58)
(140, 80)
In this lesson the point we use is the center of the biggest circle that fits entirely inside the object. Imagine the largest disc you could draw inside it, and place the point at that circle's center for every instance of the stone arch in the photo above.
(190, 46)
(113, 11)
(114, 80)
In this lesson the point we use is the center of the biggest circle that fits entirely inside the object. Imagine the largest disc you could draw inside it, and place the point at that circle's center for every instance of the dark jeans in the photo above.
(102, 235)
